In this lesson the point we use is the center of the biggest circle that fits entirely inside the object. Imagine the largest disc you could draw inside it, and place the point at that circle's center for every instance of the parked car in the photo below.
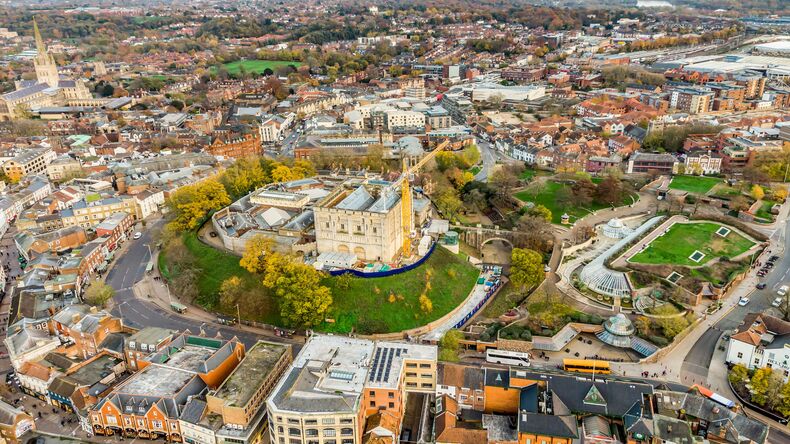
(744, 301)
(777, 302)
(761, 285)
(782, 290)
(762, 273)
(773, 258)
(137, 235)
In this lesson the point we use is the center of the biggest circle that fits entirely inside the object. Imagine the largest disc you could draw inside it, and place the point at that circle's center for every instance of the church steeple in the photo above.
(39, 41)
(46, 69)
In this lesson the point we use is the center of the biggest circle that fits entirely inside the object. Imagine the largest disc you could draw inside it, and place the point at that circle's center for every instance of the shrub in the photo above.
(659, 340)
(526, 335)
(596, 319)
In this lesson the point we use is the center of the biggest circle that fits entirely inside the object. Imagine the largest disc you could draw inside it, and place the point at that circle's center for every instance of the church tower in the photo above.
(46, 69)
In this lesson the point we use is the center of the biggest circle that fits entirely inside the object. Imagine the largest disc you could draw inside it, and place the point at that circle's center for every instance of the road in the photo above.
(698, 360)
(129, 268)
(489, 160)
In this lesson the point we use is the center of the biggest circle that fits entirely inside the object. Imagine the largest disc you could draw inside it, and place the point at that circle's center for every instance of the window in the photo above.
(155, 423)
(391, 395)
(330, 441)
(411, 365)
(280, 429)
(373, 403)
(426, 385)
(327, 420)
(392, 405)
(293, 431)
(346, 420)
(372, 393)
(411, 375)
(297, 441)
(425, 365)
(310, 422)
(346, 431)
(311, 432)
(293, 421)
(426, 375)
(330, 433)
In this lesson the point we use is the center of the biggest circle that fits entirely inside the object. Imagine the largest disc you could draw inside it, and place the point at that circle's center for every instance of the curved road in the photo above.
(698, 360)
(129, 268)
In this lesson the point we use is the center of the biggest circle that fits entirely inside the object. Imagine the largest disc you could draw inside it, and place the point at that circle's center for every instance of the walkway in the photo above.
(477, 295)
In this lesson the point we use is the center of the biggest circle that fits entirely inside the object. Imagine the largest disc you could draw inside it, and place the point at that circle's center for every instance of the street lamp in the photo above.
(238, 314)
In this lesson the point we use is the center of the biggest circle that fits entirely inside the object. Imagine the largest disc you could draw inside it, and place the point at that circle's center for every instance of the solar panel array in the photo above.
(382, 363)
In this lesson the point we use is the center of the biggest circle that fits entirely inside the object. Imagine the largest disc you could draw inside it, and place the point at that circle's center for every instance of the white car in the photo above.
(782, 290)
(777, 302)
(743, 302)
(137, 235)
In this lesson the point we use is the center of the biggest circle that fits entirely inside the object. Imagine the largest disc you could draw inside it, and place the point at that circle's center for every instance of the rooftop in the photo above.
(156, 381)
(251, 373)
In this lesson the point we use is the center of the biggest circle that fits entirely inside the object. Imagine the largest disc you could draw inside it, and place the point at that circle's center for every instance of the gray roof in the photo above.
(359, 199)
(25, 92)
(193, 411)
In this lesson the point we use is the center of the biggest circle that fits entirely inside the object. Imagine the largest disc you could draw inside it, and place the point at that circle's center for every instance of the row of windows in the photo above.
(293, 431)
(312, 441)
(325, 421)
(414, 365)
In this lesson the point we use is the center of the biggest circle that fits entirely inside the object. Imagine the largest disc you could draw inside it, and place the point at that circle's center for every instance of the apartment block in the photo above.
(31, 161)
(337, 384)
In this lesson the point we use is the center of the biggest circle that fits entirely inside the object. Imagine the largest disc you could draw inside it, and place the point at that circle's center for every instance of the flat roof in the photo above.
(259, 361)
(157, 381)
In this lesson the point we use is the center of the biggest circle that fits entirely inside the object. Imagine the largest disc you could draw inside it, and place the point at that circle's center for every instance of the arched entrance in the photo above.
(496, 251)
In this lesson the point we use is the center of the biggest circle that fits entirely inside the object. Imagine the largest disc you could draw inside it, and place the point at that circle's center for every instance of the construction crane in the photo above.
(407, 215)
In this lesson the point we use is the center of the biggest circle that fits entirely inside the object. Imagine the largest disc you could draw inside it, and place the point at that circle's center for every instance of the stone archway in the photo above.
(343, 248)
(360, 253)
(496, 250)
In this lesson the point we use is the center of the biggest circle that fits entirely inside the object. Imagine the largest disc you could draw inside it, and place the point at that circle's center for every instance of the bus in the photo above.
(586, 366)
(507, 357)
(178, 308)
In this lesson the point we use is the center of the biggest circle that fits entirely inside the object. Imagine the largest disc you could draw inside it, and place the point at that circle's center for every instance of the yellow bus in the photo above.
(586, 366)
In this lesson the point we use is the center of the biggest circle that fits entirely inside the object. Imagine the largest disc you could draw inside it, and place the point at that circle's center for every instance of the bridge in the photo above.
(479, 236)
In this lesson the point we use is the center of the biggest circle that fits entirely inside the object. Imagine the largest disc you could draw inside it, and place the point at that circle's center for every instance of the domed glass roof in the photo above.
(619, 325)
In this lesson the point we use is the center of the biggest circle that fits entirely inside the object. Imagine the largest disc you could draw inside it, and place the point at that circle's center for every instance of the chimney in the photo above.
(75, 318)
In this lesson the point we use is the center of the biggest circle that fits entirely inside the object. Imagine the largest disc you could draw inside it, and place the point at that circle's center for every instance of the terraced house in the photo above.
(149, 403)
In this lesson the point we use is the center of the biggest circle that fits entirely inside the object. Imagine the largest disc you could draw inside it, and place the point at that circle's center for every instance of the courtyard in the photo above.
(693, 244)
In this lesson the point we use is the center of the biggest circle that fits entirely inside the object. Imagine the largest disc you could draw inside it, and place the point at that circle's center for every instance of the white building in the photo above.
(761, 341)
(486, 91)
(405, 119)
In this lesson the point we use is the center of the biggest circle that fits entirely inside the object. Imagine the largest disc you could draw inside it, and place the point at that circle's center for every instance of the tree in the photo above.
(757, 192)
(583, 192)
(255, 251)
(244, 176)
(191, 204)
(448, 202)
(541, 212)
(739, 203)
(738, 374)
(304, 302)
(426, 305)
(535, 233)
(774, 390)
(230, 291)
(784, 405)
(779, 193)
(526, 268)
(98, 294)
(449, 346)
(610, 191)
(759, 385)
(503, 180)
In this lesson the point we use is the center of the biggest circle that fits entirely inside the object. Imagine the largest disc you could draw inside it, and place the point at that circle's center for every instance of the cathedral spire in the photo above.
(39, 41)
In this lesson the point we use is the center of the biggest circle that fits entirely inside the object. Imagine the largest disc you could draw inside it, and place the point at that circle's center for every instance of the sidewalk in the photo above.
(155, 292)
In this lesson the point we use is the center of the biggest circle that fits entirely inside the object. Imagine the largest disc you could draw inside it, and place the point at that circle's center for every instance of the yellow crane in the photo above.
(407, 215)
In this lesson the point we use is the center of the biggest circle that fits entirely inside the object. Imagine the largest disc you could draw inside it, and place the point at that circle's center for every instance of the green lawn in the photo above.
(529, 173)
(546, 197)
(365, 304)
(682, 240)
(725, 191)
(764, 212)
(358, 306)
(257, 66)
(694, 184)
(475, 169)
